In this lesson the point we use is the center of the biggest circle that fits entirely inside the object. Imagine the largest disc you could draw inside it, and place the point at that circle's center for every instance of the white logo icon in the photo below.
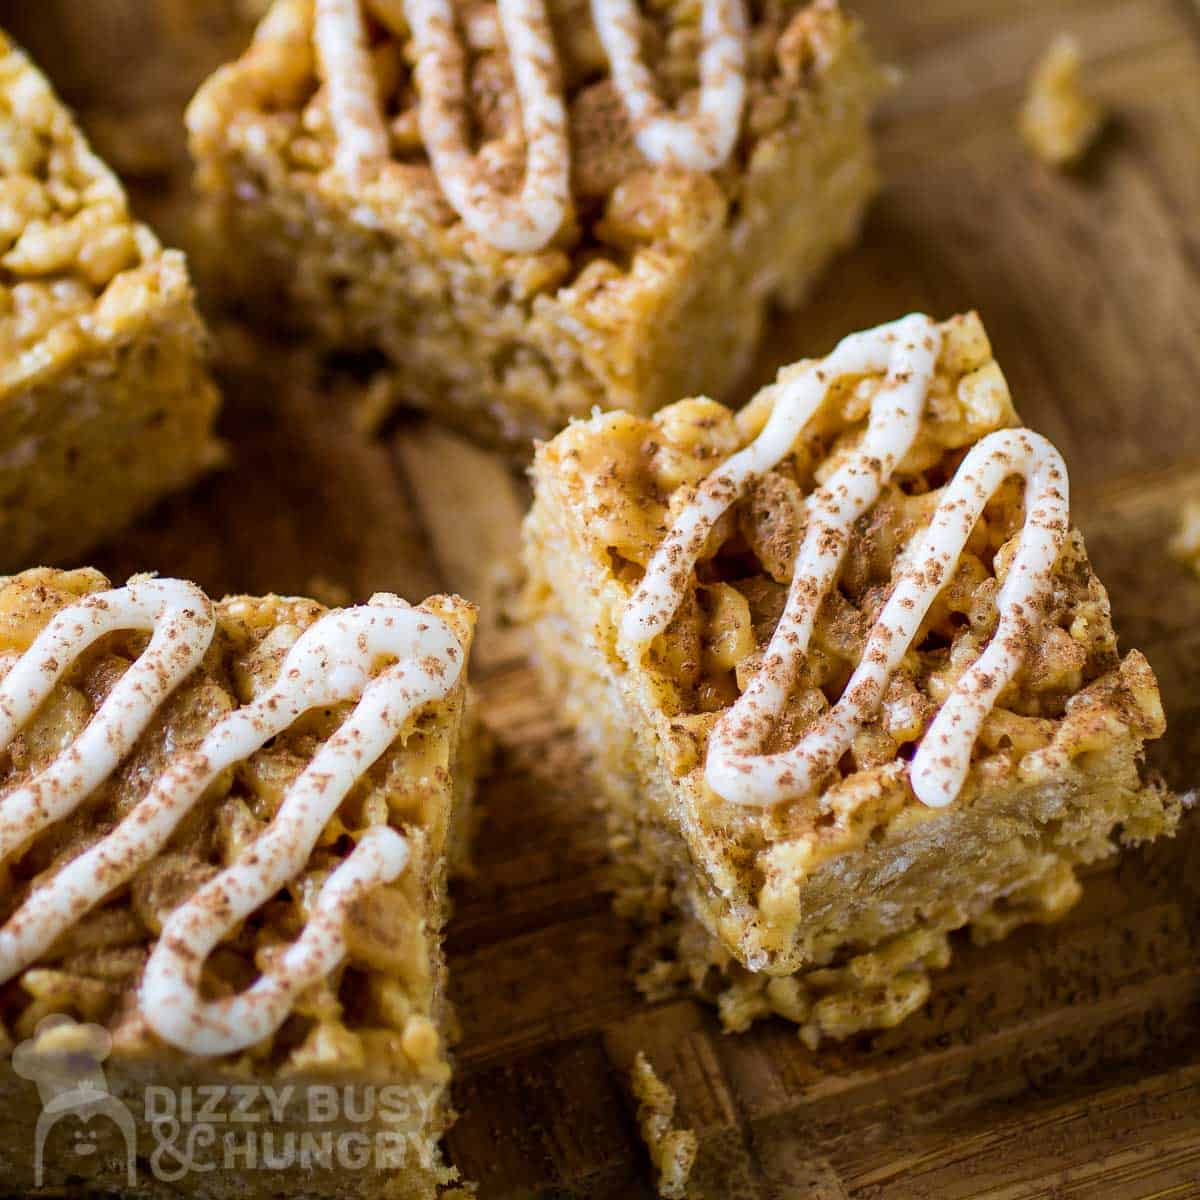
(64, 1059)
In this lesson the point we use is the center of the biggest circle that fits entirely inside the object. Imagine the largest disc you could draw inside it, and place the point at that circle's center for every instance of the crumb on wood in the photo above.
(1059, 120)
(672, 1151)
(1185, 545)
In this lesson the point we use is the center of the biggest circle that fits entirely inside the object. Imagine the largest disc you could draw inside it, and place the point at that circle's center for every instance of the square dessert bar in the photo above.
(225, 831)
(848, 677)
(105, 400)
(596, 250)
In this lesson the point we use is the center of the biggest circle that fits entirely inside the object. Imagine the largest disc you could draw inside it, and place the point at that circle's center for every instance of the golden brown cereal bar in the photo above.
(343, 204)
(225, 831)
(848, 678)
(105, 399)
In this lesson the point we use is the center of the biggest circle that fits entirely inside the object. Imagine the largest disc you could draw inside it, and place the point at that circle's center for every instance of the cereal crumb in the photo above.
(673, 1151)
(1185, 545)
(1059, 120)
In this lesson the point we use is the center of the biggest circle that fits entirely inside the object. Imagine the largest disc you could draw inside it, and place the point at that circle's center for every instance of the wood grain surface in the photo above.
(1064, 1062)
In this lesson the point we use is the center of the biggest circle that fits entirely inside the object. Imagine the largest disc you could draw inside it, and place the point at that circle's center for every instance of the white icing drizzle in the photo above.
(340, 38)
(179, 618)
(330, 663)
(529, 220)
(525, 221)
(699, 143)
(944, 755)
(734, 768)
(907, 349)
(943, 758)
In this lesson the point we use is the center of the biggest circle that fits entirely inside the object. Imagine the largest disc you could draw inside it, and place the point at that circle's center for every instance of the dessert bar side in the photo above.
(226, 832)
(105, 400)
(849, 686)
(337, 181)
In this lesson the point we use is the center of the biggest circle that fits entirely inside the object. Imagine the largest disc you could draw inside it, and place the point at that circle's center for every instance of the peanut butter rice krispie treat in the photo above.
(513, 214)
(848, 677)
(224, 838)
(105, 400)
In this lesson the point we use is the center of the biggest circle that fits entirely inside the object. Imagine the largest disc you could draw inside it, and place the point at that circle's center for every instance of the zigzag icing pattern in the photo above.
(528, 220)
(699, 143)
(907, 350)
(331, 663)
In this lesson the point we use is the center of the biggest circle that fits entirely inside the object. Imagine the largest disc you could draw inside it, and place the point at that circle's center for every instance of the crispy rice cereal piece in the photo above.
(224, 840)
(628, 262)
(105, 399)
(808, 796)
(1059, 120)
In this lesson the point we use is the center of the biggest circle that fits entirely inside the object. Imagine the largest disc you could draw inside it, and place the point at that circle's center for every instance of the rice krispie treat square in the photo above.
(511, 215)
(848, 677)
(225, 831)
(105, 399)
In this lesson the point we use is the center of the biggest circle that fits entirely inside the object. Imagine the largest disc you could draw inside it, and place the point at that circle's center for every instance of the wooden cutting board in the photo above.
(1062, 1063)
